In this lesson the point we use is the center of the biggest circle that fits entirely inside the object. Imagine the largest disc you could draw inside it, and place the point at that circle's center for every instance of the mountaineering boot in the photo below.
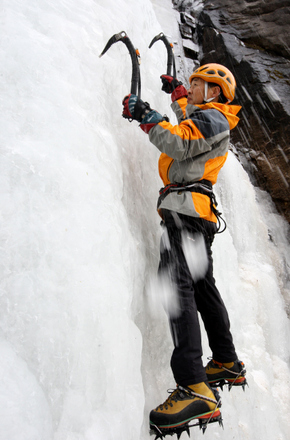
(183, 405)
(231, 373)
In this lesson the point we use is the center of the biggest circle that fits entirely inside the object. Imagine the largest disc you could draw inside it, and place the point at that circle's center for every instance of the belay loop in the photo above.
(202, 187)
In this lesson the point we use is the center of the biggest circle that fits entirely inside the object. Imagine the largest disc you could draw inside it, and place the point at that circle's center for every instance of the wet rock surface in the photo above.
(252, 39)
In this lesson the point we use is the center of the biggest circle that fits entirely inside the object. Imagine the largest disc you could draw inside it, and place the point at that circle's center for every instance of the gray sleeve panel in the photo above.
(180, 149)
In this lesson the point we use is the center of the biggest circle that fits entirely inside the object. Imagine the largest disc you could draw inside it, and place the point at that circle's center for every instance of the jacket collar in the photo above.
(229, 111)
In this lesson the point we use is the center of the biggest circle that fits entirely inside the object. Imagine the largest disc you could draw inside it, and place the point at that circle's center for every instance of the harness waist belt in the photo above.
(202, 186)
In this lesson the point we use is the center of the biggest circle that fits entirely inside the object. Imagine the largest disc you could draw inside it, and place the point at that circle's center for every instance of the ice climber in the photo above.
(192, 154)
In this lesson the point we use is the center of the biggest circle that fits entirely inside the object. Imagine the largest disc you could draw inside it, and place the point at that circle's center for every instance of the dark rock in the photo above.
(259, 24)
(187, 26)
(191, 49)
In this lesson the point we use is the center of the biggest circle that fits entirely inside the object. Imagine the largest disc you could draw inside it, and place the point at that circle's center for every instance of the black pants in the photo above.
(194, 296)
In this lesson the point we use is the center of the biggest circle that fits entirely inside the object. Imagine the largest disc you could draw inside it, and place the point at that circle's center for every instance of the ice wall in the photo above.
(82, 355)
(75, 179)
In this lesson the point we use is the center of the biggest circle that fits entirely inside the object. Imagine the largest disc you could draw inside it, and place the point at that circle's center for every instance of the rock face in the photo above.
(252, 39)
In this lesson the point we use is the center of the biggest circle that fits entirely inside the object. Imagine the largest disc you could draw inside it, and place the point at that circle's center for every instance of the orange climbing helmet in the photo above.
(218, 74)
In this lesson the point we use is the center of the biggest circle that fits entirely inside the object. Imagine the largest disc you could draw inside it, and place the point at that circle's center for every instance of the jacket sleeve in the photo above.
(179, 107)
(195, 134)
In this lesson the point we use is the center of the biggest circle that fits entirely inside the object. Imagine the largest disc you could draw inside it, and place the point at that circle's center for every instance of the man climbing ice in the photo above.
(192, 154)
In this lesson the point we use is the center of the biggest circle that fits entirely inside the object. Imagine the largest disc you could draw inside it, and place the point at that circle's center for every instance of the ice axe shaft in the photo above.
(135, 57)
(170, 53)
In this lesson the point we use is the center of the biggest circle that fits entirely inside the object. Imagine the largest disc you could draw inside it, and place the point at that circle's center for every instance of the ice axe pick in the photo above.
(170, 53)
(135, 57)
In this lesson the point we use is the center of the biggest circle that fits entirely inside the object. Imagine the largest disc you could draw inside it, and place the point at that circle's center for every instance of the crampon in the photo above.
(239, 380)
(202, 423)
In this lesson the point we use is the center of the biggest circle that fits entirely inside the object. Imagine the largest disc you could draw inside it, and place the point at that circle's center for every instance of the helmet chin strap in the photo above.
(205, 93)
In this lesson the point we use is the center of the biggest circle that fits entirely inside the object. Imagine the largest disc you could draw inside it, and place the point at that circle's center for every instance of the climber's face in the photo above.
(196, 91)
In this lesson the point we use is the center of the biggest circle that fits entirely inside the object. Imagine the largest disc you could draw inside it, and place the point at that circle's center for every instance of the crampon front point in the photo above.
(202, 423)
(241, 382)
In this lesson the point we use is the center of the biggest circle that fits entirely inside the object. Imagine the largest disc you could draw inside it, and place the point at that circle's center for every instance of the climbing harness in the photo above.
(202, 187)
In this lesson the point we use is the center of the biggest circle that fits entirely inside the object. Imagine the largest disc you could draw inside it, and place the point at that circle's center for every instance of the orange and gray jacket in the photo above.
(193, 151)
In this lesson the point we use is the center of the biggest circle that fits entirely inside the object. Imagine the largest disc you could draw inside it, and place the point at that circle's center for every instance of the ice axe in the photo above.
(135, 57)
(170, 53)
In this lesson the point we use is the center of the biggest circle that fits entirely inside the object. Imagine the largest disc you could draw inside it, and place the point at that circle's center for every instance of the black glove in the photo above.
(135, 108)
(169, 83)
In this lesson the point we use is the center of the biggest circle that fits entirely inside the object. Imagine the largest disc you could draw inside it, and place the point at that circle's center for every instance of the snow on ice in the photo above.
(83, 355)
